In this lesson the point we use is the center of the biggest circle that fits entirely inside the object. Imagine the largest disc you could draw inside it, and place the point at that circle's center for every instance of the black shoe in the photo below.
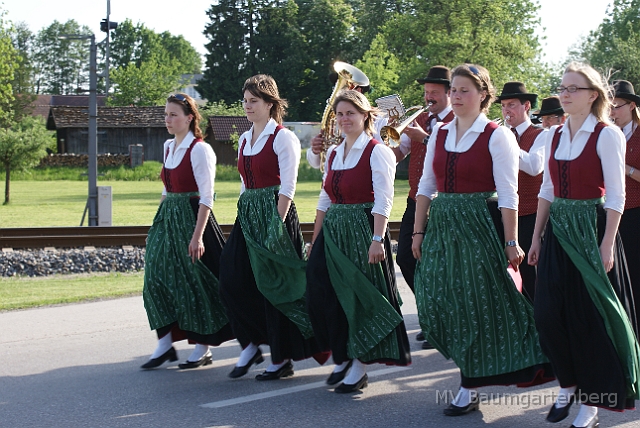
(595, 423)
(420, 337)
(170, 355)
(459, 411)
(427, 345)
(344, 388)
(239, 371)
(284, 371)
(336, 377)
(556, 414)
(205, 360)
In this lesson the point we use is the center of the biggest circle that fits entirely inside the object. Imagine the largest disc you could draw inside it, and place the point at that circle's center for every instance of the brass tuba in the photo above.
(348, 77)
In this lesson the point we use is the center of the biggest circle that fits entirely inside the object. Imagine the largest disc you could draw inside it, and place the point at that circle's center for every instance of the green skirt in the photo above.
(468, 305)
(278, 269)
(360, 286)
(175, 288)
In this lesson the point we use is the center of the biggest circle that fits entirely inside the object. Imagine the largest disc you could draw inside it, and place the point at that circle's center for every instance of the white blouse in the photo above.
(286, 146)
(383, 172)
(314, 159)
(203, 164)
(611, 147)
(504, 151)
(532, 162)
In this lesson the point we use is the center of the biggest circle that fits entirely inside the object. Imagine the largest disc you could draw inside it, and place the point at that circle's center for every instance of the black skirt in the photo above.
(629, 230)
(572, 332)
(253, 318)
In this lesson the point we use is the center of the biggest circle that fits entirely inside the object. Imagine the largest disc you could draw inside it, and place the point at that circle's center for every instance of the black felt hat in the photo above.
(550, 105)
(624, 89)
(437, 74)
(516, 90)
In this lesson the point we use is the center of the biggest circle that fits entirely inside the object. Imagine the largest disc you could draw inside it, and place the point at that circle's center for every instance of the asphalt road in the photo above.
(78, 366)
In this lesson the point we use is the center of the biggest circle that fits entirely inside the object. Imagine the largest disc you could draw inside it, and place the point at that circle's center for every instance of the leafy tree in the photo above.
(22, 146)
(231, 55)
(498, 34)
(615, 44)
(22, 84)
(61, 66)
(146, 85)
(381, 67)
(8, 65)
(138, 44)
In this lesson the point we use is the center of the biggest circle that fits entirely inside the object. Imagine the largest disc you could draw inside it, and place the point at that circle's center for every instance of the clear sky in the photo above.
(565, 21)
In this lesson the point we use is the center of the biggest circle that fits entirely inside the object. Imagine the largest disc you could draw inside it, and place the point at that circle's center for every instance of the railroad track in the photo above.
(113, 236)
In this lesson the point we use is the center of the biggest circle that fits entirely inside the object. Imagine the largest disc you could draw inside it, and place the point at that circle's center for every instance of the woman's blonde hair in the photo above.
(362, 104)
(480, 78)
(264, 87)
(595, 81)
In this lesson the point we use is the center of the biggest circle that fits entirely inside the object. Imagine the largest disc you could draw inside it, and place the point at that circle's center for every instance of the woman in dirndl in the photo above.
(352, 295)
(263, 282)
(625, 114)
(584, 327)
(184, 246)
(468, 305)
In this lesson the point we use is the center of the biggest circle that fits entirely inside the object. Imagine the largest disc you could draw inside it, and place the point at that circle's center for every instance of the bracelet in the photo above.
(416, 233)
(631, 171)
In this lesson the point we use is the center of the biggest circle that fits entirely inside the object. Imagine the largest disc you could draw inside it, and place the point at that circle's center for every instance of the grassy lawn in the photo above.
(61, 203)
(20, 293)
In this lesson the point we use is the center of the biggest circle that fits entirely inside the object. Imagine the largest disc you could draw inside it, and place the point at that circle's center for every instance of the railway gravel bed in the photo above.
(39, 262)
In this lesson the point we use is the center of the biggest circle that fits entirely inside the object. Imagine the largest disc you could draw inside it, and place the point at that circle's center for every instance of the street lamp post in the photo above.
(92, 199)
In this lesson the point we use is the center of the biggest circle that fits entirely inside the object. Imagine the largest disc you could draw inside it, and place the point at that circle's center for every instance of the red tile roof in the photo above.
(108, 117)
(221, 127)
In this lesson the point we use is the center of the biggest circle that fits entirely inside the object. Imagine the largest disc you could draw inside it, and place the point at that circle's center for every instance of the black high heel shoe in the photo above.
(170, 355)
(239, 371)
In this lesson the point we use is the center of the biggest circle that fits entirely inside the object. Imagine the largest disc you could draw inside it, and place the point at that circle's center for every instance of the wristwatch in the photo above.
(425, 140)
(377, 238)
(512, 244)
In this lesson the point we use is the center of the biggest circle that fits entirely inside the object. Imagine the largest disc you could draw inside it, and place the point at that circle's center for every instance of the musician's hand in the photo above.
(317, 143)
(415, 132)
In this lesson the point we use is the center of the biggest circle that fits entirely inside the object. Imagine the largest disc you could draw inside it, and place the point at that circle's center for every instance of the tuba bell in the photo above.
(348, 78)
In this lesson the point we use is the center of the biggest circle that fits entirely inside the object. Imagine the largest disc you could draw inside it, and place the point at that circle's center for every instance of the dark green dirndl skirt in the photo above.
(176, 290)
(355, 305)
(468, 305)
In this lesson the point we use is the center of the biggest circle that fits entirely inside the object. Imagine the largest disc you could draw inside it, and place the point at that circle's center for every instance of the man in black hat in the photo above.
(625, 114)
(516, 103)
(414, 141)
(551, 113)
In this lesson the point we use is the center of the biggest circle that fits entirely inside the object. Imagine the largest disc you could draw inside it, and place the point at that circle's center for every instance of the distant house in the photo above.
(43, 103)
(118, 127)
(219, 131)
(189, 82)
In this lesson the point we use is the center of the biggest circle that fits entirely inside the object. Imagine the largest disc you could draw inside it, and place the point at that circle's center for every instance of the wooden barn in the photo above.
(219, 131)
(118, 127)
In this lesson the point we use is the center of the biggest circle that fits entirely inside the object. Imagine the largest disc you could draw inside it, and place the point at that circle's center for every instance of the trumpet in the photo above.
(390, 133)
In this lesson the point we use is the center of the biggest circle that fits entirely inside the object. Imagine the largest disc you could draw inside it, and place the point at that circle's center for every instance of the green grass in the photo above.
(20, 293)
(61, 203)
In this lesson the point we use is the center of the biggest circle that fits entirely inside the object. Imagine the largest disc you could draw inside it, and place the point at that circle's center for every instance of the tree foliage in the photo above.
(393, 41)
(61, 66)
(8, 65)
(22, 146)
(615, 45)
(146, 85)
